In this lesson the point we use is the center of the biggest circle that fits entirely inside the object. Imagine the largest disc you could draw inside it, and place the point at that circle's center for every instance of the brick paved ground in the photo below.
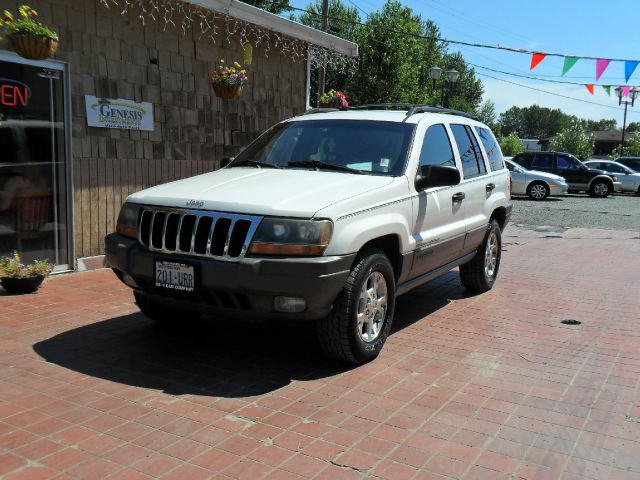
(475, 387)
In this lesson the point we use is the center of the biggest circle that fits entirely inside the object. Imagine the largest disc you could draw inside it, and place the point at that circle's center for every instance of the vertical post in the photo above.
(624, 126)
(322, 71)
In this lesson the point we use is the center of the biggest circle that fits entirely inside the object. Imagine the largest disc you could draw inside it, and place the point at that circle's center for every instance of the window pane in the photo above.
(567, 163)
(476, 149)
(436, 148)
(491, 147)
(542, 160)
(612, 167)
(468, 154)
(371, 146)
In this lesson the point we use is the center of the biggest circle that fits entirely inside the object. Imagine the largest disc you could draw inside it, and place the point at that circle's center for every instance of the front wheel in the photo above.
(479, 274)
(361, 319)
(538, 191)
(600, 189)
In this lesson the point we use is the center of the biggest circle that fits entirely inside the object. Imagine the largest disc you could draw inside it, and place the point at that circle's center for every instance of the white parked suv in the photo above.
(327, 217)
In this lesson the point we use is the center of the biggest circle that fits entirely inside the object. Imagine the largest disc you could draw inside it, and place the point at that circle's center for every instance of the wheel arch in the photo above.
(500, 216)
(390, 245)
(601, 177)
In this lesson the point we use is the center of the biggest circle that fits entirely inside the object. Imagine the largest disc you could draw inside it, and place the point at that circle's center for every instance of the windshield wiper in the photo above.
(253, 163)
(319, 164)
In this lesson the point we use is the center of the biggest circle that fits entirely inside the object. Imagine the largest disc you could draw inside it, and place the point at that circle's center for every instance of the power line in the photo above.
(468, 44)
(552, 93)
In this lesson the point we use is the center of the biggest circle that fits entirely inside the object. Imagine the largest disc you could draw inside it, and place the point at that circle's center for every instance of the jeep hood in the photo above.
(261, 191)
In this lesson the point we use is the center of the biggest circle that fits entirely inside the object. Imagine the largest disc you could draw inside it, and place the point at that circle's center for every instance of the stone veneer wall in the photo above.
(115, 56)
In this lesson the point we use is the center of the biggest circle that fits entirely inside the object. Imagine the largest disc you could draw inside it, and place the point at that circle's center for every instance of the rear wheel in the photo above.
(481, 272)
(538, 190)
(600, 189)
(361, 319)
(160, 313)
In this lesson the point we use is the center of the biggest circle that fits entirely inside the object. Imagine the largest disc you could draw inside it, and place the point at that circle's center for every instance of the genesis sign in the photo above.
(118, 113)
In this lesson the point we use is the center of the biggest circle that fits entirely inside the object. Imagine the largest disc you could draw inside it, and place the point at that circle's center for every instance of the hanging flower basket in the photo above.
(333, 99)
(228, 81)
(34, 47)
(227, 91)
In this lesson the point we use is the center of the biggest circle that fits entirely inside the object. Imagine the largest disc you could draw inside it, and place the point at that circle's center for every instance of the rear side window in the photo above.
(542, 160)
(436, 148)
(469, 150)
(494, 154)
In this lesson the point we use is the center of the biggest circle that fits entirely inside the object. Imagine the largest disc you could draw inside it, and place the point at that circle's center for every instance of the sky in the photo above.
(585, 27)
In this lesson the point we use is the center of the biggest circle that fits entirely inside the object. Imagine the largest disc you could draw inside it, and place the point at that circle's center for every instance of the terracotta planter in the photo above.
(34, 47)
(22, 284)
(227, 91)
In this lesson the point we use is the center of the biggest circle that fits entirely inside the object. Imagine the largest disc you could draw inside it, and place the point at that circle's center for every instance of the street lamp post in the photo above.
(450, 77)
(633, 94)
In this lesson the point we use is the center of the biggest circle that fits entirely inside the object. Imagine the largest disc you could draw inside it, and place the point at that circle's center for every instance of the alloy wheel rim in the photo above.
(491, 256)
(372, 307)
(538, 191)
(601, 189)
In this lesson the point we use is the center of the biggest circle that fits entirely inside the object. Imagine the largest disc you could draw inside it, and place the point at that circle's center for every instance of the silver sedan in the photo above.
(628, 178)
(536, 185)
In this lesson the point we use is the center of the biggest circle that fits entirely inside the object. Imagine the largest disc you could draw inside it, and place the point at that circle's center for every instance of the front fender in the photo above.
(600, 177)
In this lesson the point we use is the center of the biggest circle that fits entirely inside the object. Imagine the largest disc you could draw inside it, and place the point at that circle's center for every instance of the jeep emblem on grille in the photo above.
(195, 204)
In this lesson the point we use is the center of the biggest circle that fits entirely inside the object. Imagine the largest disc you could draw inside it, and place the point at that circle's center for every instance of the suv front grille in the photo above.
(216, 235)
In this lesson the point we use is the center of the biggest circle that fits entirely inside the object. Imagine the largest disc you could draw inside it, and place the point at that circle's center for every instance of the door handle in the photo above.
(490, 186)
(458, 197)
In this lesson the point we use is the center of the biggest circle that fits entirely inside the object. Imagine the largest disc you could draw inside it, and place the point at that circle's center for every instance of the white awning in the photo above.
(257, 16)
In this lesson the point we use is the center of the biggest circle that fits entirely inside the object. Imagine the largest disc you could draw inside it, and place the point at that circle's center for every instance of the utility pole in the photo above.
(325, 27)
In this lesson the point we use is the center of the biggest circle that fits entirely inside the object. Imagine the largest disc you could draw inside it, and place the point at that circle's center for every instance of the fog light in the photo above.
(289, 304)
(128, 279)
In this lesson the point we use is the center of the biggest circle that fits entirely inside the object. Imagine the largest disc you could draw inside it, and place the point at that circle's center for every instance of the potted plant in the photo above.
(16, 277)
(29, 37)
(228, 81)
(333, 99)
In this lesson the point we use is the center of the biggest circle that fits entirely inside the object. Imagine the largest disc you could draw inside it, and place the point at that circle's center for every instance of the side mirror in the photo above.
(437, 176)
(226, 161)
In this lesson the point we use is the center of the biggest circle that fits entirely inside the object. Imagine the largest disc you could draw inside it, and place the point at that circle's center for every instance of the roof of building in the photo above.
(257, 16)
(608, 135)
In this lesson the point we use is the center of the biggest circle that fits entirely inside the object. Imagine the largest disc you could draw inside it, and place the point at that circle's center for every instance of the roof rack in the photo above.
(378, 106)
(320, 110)
(429, 109)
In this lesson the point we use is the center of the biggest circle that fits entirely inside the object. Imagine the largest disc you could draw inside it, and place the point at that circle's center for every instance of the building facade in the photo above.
(62, 182)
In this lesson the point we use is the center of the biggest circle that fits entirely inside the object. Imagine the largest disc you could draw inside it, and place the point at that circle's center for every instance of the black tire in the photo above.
(534, 191)
(638, 192)
(600, 189)
(339, 334)
(160, 313)
(474, 275)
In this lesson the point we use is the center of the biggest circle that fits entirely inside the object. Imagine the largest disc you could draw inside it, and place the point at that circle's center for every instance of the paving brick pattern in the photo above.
(476, 387)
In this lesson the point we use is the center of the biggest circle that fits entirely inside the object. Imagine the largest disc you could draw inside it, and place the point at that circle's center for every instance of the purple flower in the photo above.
(22, 266)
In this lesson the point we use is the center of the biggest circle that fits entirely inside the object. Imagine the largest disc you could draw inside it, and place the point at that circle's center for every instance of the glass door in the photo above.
(34, 213)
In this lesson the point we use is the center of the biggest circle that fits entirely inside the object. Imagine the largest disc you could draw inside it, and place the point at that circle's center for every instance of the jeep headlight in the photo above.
(128, 220)
(284, 236)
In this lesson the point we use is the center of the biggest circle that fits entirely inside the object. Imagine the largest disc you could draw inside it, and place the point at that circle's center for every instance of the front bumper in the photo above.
(244, 288)
(558, 189)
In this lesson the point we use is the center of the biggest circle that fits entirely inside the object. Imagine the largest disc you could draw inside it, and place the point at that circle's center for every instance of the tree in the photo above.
(510, 145)
(487, 113)
(273, 6)
(631, 147)
(603, 124)
(575, 140)
(633, 127)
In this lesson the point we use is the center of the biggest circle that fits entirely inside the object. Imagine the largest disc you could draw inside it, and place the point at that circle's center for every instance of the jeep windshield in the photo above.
(351, 146)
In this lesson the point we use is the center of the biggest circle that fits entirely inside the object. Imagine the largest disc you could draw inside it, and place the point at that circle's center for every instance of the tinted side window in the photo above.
(469, 150)
(612, 167)
(491, 147)
(542, 160)
(436, 148)
(567, 163)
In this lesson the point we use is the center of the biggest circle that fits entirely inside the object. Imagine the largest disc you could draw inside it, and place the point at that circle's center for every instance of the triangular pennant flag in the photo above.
(589, 87)
(568, 63)
(601, 66)
(625, 90)
(607, 88)
(536, 58)
(629, 67)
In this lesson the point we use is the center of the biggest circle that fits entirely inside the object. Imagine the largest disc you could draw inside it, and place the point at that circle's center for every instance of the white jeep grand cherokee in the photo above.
(327, 217)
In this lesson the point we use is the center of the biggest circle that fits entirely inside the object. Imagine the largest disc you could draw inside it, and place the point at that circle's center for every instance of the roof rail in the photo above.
(320, 110)
(429, 109)
(377, 106)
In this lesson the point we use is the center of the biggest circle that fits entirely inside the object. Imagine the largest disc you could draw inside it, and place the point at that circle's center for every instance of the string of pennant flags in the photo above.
(601, 65)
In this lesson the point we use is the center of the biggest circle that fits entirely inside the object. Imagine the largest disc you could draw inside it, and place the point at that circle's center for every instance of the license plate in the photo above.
(175, 275)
